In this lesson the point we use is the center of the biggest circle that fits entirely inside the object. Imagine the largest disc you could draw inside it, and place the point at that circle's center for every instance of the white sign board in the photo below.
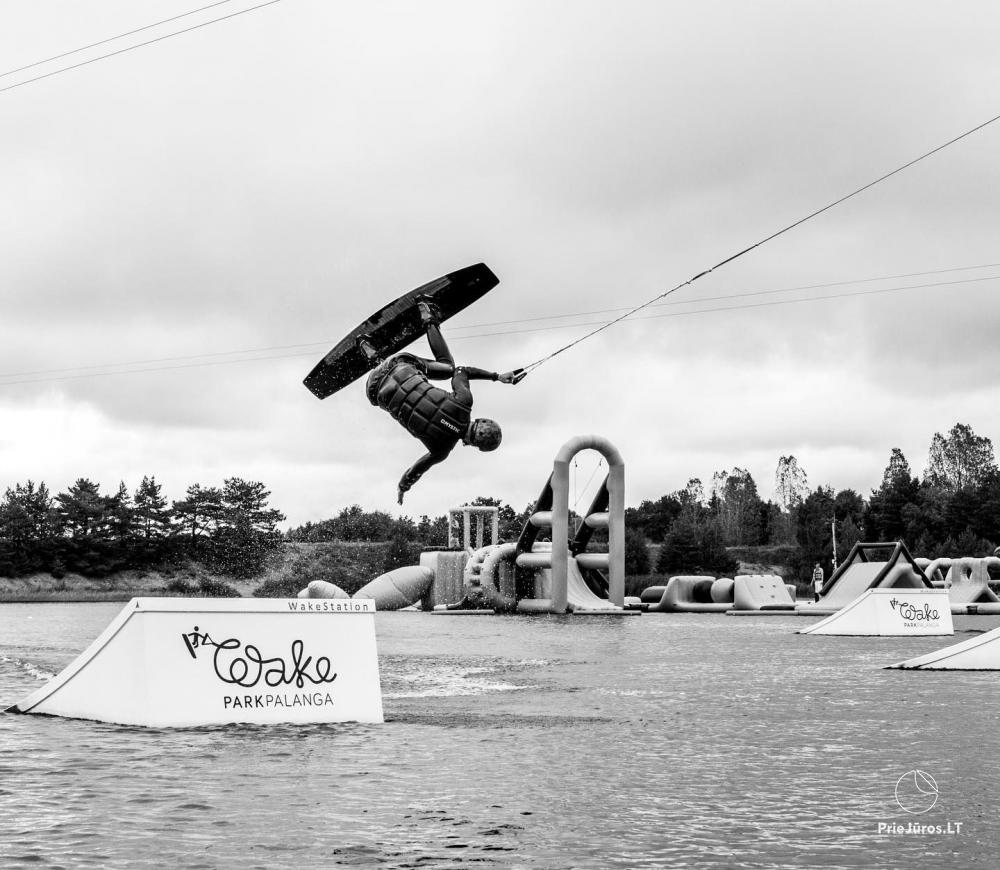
(890, 613)
(186, 662)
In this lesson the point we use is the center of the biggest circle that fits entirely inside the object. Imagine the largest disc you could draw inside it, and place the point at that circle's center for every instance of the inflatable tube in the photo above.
(489, 574)
(722, 590)
(593, 561)
(685, 594)
(936, 570)
(323, 589)
(534, 605)
(702, 591)
(652, 594)
(399, 588)
(534, 560)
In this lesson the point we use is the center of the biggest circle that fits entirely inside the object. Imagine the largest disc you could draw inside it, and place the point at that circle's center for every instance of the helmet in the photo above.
(485, 434)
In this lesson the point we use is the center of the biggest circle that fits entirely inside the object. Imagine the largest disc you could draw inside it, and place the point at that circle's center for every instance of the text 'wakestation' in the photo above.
(332, 605)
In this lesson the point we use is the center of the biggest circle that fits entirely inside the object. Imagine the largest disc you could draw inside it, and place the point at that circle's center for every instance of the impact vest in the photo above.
(427, 412)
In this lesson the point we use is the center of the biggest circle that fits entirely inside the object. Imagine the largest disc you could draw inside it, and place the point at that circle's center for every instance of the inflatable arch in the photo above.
(615, 518)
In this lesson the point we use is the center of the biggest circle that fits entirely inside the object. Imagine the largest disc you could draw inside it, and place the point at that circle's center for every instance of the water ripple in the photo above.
(522, 743)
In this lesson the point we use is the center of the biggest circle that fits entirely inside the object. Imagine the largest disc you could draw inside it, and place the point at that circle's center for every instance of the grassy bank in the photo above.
(348, 564)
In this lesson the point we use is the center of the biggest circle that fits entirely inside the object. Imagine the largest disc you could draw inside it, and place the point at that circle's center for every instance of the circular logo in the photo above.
(916, 792)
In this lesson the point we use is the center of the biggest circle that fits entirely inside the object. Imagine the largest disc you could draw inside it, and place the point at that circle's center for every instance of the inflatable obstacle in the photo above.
(400, 588)
(761, 594)
(746, 595)
(967, 582)
(179, 662)
(867, 566)
(322, 589)
(564, 576)
(689, 594)
(980, 653)
(580, 598)
(890, 613)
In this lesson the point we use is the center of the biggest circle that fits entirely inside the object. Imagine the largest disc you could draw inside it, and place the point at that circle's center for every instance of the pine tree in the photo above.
(151, 512)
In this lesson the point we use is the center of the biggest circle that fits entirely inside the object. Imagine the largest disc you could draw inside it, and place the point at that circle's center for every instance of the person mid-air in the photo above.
(401, 386)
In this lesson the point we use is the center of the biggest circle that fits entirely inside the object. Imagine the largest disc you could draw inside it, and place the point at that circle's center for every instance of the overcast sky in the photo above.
(222, 206)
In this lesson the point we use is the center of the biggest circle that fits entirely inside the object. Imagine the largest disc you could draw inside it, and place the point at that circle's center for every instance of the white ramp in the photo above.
(890, 613)
(178, 662)
(581, 599)
(980, 653)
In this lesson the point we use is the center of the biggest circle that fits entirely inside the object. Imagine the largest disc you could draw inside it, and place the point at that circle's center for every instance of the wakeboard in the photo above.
(394, 326)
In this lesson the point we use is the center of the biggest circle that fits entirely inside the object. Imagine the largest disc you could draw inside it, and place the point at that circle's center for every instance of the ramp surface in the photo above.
(890, 613)
(761, 592)
(981, 653)
(177, 662)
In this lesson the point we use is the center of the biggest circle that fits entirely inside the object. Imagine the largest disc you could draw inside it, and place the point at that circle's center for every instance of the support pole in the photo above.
(560, 535)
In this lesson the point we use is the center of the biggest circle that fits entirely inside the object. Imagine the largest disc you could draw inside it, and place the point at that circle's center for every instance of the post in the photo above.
(560, 535)
(833, 532)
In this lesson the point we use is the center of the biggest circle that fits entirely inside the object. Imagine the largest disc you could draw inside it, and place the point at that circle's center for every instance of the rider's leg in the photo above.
(442, 366)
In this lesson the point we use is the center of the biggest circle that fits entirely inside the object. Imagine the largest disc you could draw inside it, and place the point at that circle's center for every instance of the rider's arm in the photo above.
(437, 370)
(460, 382)
(460, 386)
(416, 471)
(479, 374)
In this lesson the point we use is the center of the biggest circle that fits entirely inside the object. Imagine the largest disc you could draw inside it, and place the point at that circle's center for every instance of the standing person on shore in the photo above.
(817, 581)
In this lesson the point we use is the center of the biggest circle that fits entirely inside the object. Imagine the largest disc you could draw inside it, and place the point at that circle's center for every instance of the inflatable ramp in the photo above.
(890, 613)
(761, 593)
(178, 662)
(980, 653)
(868, 566)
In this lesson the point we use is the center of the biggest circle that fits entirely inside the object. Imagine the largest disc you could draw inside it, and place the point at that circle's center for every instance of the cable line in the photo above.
(137, 45)
(11, 72)
(735, 307)
(532, 366)
(77, 372)
(769, 304)
(735, 295)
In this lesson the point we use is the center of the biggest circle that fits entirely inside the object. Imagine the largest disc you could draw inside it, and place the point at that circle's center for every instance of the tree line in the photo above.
(952, 509)
(230, 529)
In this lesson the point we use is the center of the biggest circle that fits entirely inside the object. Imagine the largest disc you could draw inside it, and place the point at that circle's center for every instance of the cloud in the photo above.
(270, 183)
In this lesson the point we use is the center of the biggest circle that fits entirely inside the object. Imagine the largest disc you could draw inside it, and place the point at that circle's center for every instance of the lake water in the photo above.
(525, 742)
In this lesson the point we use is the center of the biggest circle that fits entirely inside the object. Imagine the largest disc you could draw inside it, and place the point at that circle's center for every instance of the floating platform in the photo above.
(776, 611)
(443, 611)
